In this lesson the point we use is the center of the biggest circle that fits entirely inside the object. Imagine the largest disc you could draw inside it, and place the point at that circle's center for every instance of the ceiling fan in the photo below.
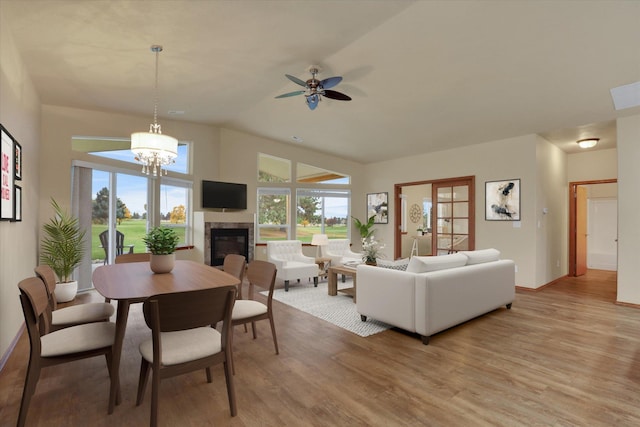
(315, 89)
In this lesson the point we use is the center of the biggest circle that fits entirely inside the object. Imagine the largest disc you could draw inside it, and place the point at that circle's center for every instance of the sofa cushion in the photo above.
(400, 264)
(481, 256)
(423, 264)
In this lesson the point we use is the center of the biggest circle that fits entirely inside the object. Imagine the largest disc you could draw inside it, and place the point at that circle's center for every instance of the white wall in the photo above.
(593, 165)
(628, 208)
(20, 114)
(505, 159)
(551, 229)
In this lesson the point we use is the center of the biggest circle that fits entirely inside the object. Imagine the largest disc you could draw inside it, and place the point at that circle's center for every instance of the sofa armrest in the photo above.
(386, 295)
(305, 259)
(279, 262)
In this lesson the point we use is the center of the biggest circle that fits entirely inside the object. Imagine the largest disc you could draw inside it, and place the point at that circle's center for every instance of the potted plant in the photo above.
(62, 249)
(365, 228)
(420, 231)
(371, 250)
(162, 243)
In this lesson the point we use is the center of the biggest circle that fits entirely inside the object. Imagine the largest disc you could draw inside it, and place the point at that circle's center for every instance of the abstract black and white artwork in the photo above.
(377, 205)
(502, 200)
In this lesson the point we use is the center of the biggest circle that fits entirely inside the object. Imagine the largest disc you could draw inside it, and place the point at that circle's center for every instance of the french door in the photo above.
(454, 219)
(112, 207)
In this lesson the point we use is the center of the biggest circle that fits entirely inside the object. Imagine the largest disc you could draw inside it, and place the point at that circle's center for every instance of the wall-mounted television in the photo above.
(224, 195)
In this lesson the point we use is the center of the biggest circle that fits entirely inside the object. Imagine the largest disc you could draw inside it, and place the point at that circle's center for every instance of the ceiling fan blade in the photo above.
(332, 94)
(330, 82)
(296, 80)
(312, 101)
(286, 95)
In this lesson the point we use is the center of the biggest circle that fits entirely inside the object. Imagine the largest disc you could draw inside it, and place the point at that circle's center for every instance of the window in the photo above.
(273, 169)
(273, 214)
(322, 211)
(118, 149)
(175, 206)
(312, 174)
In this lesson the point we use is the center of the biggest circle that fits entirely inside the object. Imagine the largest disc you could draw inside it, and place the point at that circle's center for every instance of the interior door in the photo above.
(581, 230)
(454, 219)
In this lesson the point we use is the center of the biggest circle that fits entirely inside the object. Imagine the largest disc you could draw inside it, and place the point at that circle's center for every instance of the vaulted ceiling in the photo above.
(423, 75)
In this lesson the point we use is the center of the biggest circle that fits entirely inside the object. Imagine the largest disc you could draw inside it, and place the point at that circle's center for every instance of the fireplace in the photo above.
(224, 238)
(226, 241)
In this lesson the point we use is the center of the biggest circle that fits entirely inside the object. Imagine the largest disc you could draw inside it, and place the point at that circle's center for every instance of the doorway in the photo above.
(434, 217)
(592, 221)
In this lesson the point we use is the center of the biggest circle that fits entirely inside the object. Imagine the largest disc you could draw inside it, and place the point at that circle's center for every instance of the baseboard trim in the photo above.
(627, 304)
(553, 282)
(12, 346)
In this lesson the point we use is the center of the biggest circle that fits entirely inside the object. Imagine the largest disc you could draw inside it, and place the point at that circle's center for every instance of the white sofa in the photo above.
(436, 293)
(339, 250)
(291, 262)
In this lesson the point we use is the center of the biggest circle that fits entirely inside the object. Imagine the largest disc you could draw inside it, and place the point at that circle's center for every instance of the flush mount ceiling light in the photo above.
(588, 142)
(153, 149)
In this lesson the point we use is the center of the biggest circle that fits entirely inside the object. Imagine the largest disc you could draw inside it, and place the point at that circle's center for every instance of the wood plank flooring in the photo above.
(563, 356)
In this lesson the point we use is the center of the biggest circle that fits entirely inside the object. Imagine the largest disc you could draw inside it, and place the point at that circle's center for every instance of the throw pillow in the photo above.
(400, 264)
(481, 256)
(423, 264)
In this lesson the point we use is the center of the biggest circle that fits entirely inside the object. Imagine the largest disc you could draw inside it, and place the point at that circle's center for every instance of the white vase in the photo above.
(67, 291)
(162, 263)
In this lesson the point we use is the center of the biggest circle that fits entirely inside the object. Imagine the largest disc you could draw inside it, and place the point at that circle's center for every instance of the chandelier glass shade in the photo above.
(152, 149)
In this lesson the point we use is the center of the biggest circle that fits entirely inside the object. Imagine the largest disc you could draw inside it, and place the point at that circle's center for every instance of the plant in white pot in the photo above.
(162, 243)
(62, 249)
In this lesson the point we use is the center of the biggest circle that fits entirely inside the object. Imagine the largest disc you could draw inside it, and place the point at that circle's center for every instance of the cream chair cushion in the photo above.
(184, 346)
(79, 338)
(81, 313)
(244, 308)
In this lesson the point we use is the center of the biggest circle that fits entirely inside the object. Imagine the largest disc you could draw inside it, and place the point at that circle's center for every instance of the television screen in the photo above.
(224, 195)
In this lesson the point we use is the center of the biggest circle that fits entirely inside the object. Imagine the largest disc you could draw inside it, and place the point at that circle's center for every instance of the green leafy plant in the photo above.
(62, 246)
(365, 228)
(161, 240)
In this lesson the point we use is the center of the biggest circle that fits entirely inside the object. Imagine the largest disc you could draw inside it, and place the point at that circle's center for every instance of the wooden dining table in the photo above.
(134, 282)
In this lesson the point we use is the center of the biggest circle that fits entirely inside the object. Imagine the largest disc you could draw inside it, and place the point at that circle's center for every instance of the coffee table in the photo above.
(333, 280)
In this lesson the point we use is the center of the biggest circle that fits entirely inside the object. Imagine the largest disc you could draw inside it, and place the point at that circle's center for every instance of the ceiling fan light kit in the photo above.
(315, 89)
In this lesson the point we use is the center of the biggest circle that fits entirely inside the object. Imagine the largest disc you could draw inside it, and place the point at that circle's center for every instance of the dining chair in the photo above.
(62, 346)
(58, 318)
(236, 265)
(263, 275)
(184, 339)
(104, 241)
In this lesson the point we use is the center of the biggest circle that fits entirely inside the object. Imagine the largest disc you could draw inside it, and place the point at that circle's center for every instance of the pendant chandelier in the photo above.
(153, 149)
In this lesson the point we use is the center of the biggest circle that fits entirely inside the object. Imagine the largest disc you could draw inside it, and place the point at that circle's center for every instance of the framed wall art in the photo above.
(17, 205)
(378, 205)
(18, 160)
(502, 200)
(7, 164)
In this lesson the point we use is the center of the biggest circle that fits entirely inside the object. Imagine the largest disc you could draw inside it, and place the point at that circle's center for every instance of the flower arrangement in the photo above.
(371, 250)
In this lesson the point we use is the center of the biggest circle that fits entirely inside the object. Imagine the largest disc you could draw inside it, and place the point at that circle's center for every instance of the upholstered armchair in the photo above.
(291, 262)
(340, 252)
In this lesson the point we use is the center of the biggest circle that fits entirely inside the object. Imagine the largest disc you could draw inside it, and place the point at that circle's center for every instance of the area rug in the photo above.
(339, 310)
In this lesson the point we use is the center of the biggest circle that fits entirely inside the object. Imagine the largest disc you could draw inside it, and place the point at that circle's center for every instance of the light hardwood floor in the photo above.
(563, 356)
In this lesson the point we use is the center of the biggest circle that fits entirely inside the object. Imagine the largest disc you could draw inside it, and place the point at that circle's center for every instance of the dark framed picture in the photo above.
(17, 197)
(502, 200)
(378, 205)
(7, 163)
(18, 160)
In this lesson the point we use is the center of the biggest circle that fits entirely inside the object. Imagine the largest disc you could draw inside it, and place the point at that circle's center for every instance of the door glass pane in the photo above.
(460, 226)
(461, 193)
(461, 210)
(444, 194)
(99, 214)
(131, 212)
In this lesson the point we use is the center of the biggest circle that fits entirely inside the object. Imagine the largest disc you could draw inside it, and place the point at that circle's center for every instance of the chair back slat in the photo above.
(35, 305)
(48, 276)
(263, 275)
(235, 265)
(190, 309)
